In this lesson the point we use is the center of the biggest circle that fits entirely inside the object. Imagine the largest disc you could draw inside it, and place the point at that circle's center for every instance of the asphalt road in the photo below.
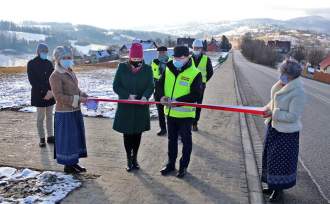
(315, 137)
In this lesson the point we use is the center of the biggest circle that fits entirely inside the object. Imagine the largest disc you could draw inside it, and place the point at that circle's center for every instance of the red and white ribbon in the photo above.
(238, 109)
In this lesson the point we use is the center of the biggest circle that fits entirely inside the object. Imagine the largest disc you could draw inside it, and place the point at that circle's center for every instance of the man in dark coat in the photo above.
(158, 66)
(39, 70)
(204, 64)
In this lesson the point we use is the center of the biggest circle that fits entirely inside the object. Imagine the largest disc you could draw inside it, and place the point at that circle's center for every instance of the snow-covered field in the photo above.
(15, 92)
(26, 186)
(28, 36)
(14, 60)
(85, 49)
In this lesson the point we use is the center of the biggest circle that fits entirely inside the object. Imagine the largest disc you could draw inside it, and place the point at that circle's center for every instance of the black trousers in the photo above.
(198, 110)
(160, 110)
(132, 144)
(178, 127)
(161, 116)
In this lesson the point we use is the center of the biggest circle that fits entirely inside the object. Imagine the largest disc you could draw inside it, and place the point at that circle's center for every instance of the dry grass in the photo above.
(12, 70)
(105, 65)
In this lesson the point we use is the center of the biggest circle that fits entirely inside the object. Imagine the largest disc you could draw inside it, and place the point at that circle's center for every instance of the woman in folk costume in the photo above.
(70, 142)
(280, 155)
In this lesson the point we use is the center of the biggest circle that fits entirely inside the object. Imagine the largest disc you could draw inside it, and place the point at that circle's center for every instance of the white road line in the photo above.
(318, 186)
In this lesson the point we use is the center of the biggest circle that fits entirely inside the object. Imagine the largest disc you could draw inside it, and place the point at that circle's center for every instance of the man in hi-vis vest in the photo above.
(158, 66)
(181, 82)
(204, 64)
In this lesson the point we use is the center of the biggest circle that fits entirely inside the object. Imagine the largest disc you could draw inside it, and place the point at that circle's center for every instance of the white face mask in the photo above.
(197, 52)
(66, 63)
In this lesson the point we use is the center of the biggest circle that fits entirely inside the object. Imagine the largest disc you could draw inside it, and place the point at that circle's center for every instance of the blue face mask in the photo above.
(284, 78)
(43, 55)
(66, 64)
(163, 58)
(178, 64)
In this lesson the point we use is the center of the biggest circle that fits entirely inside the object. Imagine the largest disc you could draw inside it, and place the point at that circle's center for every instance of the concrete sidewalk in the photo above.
(216, 173)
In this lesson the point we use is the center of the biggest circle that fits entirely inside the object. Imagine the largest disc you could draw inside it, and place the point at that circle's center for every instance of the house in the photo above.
(146, 44)
(214, 46)
(185, 41)
(325, 65)
(280, 46)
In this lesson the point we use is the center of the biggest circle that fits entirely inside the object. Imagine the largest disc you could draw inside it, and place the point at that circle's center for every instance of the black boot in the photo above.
(70, 170)
(51, 140)
(267, 191)
(135, 162)
(79, 168)
(167, 170)
(129, 163)
(42, 142)
(276, 196)
(182, 172)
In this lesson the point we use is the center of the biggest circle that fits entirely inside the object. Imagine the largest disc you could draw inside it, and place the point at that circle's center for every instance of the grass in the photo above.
(22, 69)
(12, 70)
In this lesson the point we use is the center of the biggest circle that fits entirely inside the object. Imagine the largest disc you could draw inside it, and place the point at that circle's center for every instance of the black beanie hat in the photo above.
(161, 48)
(180, 51)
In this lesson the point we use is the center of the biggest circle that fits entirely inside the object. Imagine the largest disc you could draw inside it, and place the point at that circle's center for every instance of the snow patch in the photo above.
(28, 36)
(28, 186)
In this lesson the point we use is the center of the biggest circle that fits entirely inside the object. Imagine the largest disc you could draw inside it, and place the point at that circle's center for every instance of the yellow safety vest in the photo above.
(176, 87)
(155, 70)
(202, 67)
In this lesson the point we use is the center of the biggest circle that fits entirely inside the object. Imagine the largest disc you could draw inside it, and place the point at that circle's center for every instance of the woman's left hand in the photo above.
(268, 114)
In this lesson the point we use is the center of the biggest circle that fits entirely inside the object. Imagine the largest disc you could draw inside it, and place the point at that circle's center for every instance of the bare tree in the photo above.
(315, 56)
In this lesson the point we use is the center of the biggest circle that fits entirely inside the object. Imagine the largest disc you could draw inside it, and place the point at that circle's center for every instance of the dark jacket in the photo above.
(157, 94)
(132, 119)
(196, 88)
(39, 71)
(209, 66)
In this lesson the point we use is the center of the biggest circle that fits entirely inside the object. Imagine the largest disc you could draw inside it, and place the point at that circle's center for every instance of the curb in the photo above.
(252, 175)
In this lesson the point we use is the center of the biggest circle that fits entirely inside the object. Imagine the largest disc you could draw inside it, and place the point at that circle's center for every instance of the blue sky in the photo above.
(149, 13)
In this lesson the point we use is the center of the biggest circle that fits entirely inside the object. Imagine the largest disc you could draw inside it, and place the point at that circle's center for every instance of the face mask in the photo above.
(197, 52)
(136, 63)
(284, 78)
(43, 55)
(163, 58)
(66, 64)
(178, 64)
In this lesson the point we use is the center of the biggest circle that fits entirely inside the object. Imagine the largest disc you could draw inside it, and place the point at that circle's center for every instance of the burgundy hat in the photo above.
(136, 51)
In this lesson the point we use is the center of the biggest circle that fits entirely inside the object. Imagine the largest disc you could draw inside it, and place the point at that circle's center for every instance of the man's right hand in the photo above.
(166, 101)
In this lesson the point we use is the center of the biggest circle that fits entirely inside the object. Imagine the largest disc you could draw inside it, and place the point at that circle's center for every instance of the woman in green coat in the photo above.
(133, 81)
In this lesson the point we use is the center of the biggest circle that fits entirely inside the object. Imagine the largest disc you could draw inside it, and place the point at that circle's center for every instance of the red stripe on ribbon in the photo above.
(238, 109)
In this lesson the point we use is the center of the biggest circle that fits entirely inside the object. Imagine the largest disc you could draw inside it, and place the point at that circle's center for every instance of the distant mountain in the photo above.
(309, 23)
(312, 23)
(24, 37)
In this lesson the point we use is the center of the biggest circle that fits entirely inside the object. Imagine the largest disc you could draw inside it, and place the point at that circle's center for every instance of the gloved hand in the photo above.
(132, 97)
(144, 98)
(92, 104)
